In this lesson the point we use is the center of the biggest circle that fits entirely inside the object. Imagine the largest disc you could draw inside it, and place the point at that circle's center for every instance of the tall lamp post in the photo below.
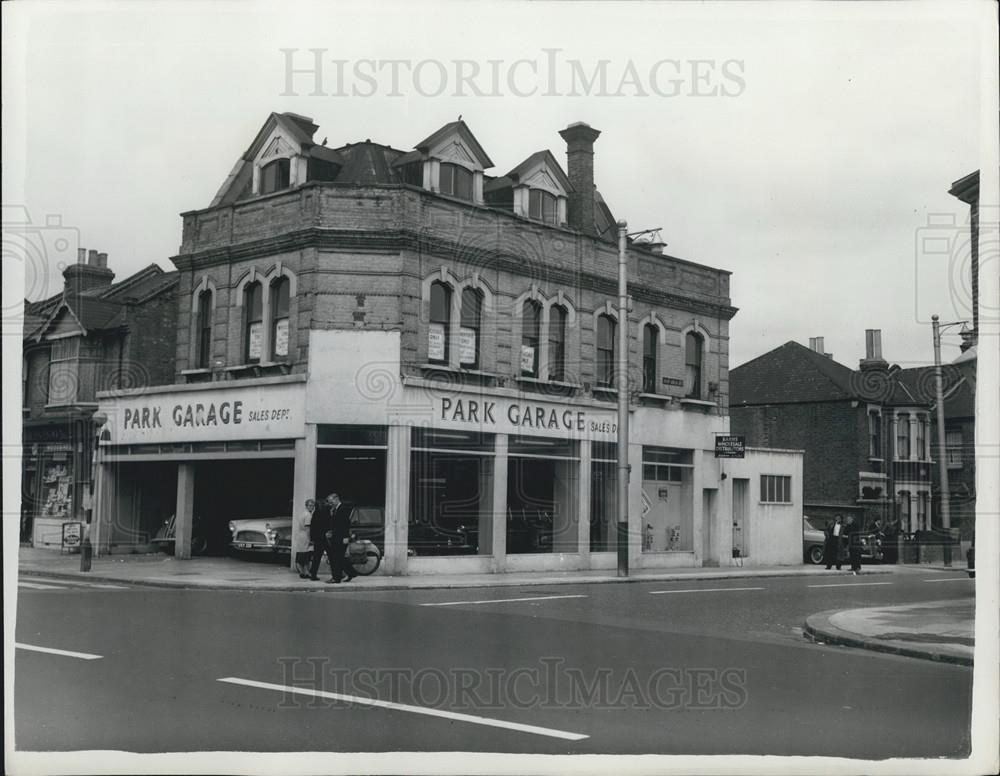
(622, 385)
(945, 494)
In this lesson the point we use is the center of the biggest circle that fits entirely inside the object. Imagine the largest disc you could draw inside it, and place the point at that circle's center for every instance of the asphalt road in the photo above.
(693, 667)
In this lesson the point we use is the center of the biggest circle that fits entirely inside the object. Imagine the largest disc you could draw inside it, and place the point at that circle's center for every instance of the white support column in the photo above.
(500, 505)
(583, 505)
(635, 506)
(185, 511)
(698, 475)
(397, 500)
(914, 420)
(894, 429)
(256, 178)
(104, 495)
(304, 484)
(477, 187)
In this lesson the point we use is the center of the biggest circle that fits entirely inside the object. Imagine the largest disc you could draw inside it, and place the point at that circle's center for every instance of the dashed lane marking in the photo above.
(503, 600)
(853, 584)
(703, 590)
(452, 715)
(949, 579)
(63, 652)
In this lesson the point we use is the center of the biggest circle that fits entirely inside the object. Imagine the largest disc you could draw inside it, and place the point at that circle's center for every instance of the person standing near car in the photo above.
(854, 543)
(834, 537)
(302, 557)
(319, 528)
(339, 536)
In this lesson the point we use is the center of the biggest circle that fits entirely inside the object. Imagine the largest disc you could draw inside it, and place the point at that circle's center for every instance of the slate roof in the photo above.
(791, 373)
(368, 162)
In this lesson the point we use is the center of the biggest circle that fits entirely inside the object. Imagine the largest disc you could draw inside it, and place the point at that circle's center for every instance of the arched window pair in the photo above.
(531, 340)
(254, 319)
(607, 352)
(469, 330)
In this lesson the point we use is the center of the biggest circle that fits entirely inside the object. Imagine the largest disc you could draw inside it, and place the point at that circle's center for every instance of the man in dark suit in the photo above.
(340, 535)
(854, 543)
(320, 525)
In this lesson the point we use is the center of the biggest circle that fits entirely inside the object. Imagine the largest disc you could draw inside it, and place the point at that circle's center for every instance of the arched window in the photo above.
(279, 318)
(472, 307)
(203, 330)
(557, 342)
(274, 176)
(440, 323)
(253, 326)
(456, 181)
(606, 328)
(693, 344)
(650, 338)
(531, 321)
(543, 206)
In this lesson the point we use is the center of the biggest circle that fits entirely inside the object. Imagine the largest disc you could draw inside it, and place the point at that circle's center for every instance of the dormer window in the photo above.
(275, 176)
(456, 181)
(543, 206)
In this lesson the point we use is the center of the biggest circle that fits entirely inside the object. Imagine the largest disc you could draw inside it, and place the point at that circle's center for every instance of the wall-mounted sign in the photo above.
(527, 358)
(500, 415)
(281, 338)
(730, 446)
(226, 414)
(256, 340)
(677, 382)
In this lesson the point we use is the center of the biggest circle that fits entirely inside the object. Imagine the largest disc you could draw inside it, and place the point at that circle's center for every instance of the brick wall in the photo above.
(150, 344)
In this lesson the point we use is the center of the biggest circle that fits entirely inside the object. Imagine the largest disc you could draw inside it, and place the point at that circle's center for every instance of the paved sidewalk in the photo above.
(223, 573)
(933, 630)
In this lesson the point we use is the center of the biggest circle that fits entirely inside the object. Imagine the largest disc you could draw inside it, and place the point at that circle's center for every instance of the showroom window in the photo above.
(603, 496)
(667, 499)
(451, 493)
(542, 476)
(440, 323)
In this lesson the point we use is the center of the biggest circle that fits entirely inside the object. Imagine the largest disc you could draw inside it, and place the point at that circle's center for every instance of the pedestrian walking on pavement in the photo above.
(339, 537)
(854, 544)
(319, 530)
(303, 558)
(834, 537)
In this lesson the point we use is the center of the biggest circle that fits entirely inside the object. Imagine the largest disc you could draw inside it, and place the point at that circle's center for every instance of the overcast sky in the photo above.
(805, 150)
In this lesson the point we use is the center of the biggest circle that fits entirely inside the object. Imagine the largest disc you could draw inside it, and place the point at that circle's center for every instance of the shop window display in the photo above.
(603, 496)
(667, 500)
(541, 495)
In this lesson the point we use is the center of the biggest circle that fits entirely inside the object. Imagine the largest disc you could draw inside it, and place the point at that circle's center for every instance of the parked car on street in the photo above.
(813, 539)
(270, 535)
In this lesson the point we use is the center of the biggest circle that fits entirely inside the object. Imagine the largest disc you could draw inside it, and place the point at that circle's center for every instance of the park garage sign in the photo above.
(205, 415)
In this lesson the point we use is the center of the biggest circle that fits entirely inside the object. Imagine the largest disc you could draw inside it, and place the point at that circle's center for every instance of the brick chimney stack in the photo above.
(580, 139)
(873, 351)
(90, 271)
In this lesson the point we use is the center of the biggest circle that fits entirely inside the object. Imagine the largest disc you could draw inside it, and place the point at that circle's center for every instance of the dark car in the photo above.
(813, 539)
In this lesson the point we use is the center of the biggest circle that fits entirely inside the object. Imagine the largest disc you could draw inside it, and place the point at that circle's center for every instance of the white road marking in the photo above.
(950, 579)
(852, 584)
(471, 718)
(503, 600)
(63, 652)
(702, 590)
(66, 584)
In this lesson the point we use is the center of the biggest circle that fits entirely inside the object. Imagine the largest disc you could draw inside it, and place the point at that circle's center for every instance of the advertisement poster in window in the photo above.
(256, 339)
(527, 358)
(281, 337)
(467, 346)
(435, 342)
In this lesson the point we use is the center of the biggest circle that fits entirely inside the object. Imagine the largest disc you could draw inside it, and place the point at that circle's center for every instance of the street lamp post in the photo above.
(945, 494)
(623, 387)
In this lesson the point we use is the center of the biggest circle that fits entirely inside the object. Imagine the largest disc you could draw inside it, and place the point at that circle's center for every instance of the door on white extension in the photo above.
(741, 491)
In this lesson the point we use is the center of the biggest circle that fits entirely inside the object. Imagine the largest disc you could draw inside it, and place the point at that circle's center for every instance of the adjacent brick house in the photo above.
(866, 432)
(96, 335)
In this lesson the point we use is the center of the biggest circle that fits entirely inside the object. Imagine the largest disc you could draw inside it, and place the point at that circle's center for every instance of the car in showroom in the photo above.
(813, 539)
(261, 535)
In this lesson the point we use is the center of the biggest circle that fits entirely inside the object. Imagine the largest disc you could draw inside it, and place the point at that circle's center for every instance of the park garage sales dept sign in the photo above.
(228, 414)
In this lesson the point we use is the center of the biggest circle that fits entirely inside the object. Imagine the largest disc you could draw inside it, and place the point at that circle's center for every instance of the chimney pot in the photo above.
(102, 260)
(92, 258)
(816, 344)
(81, 255)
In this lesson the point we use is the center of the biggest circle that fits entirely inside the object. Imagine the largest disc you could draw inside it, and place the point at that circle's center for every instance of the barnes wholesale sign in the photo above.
(730, 446)
(229, 414)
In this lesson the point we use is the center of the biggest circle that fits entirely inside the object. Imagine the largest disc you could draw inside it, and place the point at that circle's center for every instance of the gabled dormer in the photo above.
(281, 156)
(537, 188)
(450, 161)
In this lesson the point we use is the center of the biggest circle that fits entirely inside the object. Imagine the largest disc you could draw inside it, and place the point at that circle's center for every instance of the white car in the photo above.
(262, 535)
